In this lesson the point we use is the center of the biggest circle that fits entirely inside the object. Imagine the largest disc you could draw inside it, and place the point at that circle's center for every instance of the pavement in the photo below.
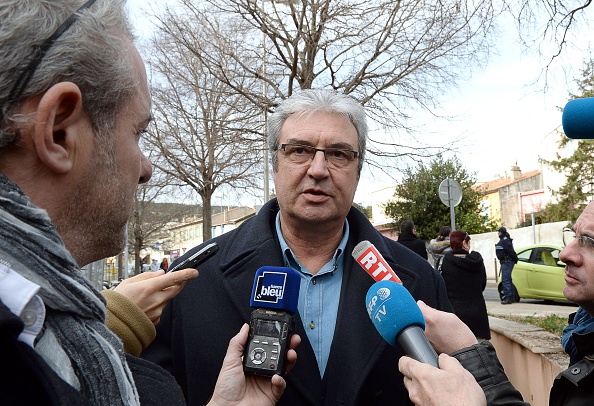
(529, 307)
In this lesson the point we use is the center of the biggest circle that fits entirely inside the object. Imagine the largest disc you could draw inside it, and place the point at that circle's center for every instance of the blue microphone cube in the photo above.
(392, 309)
(578, 118)
(276, 287)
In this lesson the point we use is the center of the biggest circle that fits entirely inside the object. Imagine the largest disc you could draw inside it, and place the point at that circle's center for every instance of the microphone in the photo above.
(399, 320)
(275, 295)
(374, 264)
(578, 118)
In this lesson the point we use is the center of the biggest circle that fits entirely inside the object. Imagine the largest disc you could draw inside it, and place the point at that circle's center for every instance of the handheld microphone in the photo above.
(374, 264)
(578, 118)
(275, 295)
(399, 320)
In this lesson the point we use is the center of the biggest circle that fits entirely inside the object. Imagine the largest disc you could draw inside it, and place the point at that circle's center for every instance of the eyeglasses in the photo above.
(300, 154)
(27, 74)
(584, 241)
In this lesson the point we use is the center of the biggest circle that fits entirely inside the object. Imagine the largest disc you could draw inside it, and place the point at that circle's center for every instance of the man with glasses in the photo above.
(317, 142)
(452, 384)
(74, 101)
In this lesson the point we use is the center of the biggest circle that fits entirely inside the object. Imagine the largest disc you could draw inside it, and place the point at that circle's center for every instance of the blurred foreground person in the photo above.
(73, 102)
(452, 384)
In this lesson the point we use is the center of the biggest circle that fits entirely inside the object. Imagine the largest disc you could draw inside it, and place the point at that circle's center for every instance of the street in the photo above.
(526, 307)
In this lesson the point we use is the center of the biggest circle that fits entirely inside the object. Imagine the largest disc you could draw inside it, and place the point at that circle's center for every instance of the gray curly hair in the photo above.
(89, 53)
(312, 100)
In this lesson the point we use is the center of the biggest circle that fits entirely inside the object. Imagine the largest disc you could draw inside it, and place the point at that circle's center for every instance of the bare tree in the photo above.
(151, 214)
(207, 135)
(393, 56)
(550, 26)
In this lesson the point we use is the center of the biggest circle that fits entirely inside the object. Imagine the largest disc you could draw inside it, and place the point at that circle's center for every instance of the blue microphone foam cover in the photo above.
(276, 287)
(392, 309)
(578, 118)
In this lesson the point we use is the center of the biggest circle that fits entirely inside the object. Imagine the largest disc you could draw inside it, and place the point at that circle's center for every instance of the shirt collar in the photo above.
(289, 258)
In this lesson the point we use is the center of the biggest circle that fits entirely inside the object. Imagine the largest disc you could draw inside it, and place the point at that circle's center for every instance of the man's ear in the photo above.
(60, 125)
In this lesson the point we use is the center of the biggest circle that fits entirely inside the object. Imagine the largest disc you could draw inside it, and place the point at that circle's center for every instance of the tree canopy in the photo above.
(416, 198)
(578, 189)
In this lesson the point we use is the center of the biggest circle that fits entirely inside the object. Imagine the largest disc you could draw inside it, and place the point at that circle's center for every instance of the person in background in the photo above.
(316, 139)
(154, 267)
(164, 264)
(476, 377)
(409, 239)
(439, 245)
(466, 278)
(504, 250)
(74, 102)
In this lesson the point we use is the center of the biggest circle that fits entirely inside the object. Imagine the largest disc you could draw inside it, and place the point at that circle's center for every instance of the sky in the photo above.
(502, 118)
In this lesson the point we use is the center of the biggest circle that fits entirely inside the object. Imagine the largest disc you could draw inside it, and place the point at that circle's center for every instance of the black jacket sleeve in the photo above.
(482, 362)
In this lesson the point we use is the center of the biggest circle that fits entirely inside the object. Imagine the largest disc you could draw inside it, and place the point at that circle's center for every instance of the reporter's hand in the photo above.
(445, 331)
(451, 385)
(151, 291)
(236, 388)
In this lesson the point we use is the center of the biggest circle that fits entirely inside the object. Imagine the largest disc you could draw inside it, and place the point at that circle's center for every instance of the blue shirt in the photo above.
(319, 295)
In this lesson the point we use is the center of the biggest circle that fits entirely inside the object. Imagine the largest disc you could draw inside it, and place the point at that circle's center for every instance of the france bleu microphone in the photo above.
(578, 118)
(275, 295)
(399, 320)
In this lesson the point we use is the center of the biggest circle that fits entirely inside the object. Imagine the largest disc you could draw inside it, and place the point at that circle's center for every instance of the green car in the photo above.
(538, 274)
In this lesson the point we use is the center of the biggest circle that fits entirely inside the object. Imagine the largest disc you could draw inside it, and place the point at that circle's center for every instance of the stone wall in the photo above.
(531, 357)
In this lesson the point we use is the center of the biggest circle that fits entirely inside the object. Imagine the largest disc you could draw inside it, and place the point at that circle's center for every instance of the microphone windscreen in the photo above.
(392, 309)
(276, 287)
(578, 118)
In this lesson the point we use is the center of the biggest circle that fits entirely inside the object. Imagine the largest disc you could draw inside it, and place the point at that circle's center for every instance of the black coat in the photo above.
(465, 277)
(411, 241)
(26, 379)
(362, 368)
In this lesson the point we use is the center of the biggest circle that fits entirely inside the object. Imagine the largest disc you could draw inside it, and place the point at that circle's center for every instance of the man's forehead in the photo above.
(585, 222)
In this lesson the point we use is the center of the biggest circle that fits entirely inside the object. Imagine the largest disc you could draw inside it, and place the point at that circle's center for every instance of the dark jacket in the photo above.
(482, 362)
(465, 277)
(362, 368)
(504, 250)
(26, 379)
(572, 387)
(411, 241)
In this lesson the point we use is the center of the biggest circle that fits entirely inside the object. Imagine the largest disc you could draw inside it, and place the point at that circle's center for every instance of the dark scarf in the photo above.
(74, 341)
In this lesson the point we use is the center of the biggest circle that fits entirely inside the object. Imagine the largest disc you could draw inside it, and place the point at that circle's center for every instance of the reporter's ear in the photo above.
(61, 127)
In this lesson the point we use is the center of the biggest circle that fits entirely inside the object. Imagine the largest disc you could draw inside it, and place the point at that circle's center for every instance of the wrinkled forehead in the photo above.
(585, 222)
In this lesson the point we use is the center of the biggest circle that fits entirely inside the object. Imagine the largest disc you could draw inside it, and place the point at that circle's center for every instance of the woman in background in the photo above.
(439, 246)
(465, 277)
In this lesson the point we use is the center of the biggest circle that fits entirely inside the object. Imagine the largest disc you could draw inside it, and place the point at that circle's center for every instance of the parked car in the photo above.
(539, 274)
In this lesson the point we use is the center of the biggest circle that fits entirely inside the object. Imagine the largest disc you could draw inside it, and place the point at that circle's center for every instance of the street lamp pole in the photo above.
(266, 175)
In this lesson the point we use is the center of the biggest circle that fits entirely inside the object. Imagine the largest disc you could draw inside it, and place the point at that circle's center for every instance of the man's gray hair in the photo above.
(310, 101)
(90, 53)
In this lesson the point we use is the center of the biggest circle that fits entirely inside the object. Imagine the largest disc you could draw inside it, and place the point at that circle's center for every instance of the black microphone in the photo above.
(398, 319)
(275, 295)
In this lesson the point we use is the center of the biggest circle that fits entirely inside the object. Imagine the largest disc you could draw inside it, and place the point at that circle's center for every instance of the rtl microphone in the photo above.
(275, 296)
(372, 261)
(578, 118)
(399, 320)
